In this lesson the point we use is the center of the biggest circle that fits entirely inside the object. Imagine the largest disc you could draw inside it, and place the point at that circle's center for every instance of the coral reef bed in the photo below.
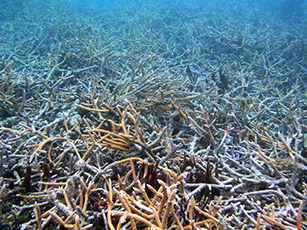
(152, 116)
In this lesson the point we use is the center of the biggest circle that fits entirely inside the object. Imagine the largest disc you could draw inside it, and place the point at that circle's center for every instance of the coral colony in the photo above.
(152, 117)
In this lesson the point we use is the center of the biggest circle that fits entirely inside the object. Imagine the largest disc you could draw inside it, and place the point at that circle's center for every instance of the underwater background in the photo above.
(153, 114)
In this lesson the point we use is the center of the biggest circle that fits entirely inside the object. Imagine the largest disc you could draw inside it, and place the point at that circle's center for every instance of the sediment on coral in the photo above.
(151, 117)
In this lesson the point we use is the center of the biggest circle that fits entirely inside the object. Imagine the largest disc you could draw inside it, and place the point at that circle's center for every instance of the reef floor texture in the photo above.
(152, 117)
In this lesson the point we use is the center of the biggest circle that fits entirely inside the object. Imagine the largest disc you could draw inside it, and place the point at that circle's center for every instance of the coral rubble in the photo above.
(151, 117)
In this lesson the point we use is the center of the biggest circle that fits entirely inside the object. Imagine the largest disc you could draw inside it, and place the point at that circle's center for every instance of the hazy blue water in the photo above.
(285, 9)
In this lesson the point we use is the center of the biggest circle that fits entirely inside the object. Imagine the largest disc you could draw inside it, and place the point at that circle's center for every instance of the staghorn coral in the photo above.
(151, 118)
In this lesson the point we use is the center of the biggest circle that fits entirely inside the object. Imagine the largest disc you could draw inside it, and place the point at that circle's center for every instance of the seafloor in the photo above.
(161, 115)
